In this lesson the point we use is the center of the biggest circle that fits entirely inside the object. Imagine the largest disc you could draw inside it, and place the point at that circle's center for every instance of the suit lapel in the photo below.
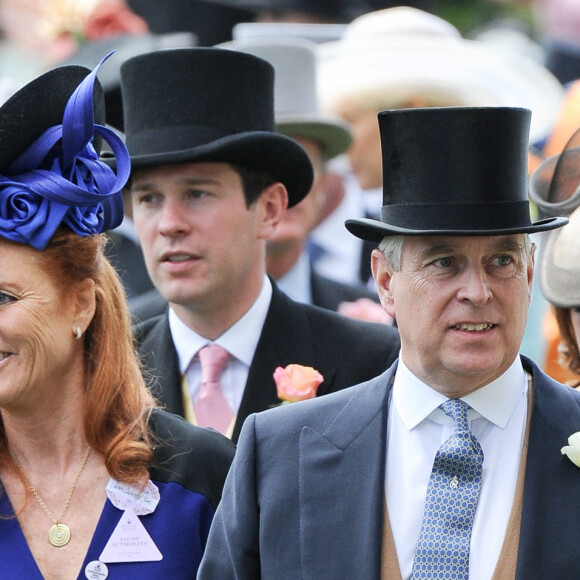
(351, 454)
(550, 529)
(286, 338)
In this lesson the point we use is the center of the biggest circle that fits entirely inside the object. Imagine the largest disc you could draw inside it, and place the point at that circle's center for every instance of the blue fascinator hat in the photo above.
(50, 173)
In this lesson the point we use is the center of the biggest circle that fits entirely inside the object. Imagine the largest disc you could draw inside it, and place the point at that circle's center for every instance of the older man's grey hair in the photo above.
(392, 249)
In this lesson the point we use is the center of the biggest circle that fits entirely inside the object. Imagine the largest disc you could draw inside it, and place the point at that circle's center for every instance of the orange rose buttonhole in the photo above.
(297, 383)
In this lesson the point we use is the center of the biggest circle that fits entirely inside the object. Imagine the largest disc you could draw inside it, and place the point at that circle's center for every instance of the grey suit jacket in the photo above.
(304, 498)
(343, 350)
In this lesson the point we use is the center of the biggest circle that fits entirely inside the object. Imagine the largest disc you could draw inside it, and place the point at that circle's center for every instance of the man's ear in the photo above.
(274, 202)
(383, 275)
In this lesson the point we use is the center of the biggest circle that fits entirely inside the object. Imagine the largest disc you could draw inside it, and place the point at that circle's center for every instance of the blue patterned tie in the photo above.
(443, 546)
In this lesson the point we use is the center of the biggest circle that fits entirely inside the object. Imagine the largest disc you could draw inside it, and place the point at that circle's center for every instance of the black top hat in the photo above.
(208, 104)
(453, 171)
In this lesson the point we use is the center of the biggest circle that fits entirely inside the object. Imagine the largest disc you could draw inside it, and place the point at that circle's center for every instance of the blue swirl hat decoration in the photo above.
(50, 172)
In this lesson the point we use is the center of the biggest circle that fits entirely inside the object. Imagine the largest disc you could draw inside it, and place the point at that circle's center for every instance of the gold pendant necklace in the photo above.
(59, 534)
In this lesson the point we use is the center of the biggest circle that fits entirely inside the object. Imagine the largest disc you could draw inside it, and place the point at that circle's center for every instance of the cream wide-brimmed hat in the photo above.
(390, 56)
(559, 264)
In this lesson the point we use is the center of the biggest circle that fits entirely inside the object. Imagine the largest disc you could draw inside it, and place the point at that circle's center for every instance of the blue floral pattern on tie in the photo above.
(452, 494)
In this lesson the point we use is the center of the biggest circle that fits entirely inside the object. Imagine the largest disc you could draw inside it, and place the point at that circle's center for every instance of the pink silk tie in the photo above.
(212, 409)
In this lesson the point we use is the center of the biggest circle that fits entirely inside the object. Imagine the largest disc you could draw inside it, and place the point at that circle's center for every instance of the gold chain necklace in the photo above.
(59, 534)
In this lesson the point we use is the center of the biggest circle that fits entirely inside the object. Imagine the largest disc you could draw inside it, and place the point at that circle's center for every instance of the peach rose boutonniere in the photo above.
(572, 450)
(296, 383)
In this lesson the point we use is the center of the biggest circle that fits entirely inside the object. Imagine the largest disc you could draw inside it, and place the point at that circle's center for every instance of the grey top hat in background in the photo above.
(559, 265)
(295, 100)
(453, 171)
(208, 104)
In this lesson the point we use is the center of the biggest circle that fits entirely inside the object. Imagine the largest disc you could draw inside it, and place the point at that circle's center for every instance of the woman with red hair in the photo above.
(95, 481)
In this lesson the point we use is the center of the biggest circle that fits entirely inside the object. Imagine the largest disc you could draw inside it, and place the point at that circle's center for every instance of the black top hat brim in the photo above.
(375, 231)
(260, 150)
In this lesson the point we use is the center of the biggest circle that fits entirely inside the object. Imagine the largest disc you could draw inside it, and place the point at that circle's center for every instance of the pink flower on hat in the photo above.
(297, 383)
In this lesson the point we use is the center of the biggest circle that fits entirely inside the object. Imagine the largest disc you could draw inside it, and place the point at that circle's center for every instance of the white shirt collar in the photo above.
(240, 340)
(296, 282)
(496, 402)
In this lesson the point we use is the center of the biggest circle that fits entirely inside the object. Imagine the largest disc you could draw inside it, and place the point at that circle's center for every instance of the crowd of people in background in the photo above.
(538, 36)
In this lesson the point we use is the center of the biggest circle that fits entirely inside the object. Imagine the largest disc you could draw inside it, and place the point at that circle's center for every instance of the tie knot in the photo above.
(213, 358)
(457, 410)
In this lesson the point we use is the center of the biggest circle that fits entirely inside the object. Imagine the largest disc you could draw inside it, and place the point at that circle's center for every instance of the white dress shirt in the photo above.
(240, 340)
(416, 430)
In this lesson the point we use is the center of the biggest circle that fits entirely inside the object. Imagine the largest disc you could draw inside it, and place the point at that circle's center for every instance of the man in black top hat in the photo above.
(210, 182)
(323, 137)
(449, 464)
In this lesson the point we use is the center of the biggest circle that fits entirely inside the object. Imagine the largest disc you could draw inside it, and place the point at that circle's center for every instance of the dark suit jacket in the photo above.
(326, 293)
(343, 350)
(307, 484)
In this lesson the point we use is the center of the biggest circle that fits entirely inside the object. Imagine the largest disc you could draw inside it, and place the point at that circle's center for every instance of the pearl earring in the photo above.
(78, 332)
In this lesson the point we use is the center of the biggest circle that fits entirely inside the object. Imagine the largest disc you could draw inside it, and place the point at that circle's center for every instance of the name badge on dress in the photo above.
(130, 541)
